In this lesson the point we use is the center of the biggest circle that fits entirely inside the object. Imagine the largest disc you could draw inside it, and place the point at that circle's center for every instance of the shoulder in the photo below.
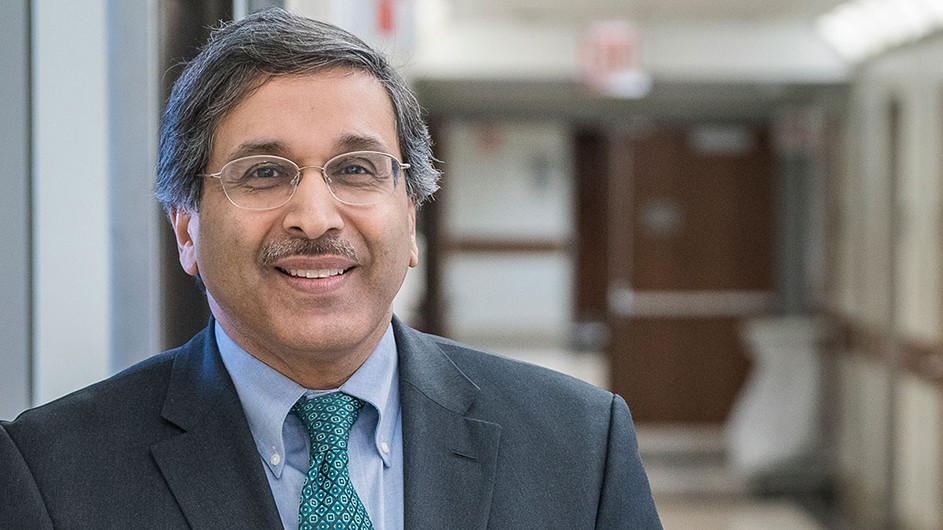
(494, 367)
(135, 393)
(542, 415)
(536, 390)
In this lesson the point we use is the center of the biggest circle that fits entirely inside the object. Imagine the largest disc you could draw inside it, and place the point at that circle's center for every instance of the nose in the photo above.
(312, 211)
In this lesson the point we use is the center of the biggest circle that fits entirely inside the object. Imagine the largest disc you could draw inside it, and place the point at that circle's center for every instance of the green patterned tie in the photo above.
(328, 498)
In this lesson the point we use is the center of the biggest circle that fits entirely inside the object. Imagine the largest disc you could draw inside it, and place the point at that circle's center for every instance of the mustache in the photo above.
(299, 246)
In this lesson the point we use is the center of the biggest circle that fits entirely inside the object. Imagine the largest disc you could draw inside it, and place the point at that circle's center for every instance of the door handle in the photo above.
(627, 303)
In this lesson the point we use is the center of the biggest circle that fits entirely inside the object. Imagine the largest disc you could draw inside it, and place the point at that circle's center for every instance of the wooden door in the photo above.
(691, 224)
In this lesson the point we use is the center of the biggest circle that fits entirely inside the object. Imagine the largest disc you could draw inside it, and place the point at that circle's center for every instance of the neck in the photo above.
(312, 369)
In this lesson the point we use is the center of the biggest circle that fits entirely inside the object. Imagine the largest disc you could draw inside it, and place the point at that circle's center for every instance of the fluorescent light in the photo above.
(862, 28)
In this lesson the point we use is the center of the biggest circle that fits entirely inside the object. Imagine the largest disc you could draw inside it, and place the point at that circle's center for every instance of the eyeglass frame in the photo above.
(296, 180)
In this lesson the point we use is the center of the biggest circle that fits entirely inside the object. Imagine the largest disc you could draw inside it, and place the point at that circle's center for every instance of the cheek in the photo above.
(386, 240)
(400, 232)
(227, 245)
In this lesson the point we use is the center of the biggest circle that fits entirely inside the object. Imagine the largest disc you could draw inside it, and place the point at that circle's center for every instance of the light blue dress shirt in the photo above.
(376, 440)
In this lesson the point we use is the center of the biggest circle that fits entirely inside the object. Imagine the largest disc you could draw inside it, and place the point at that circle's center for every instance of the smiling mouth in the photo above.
(314, 273)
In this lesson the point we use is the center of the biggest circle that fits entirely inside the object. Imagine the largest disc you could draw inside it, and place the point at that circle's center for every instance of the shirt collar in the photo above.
(267, 395)
(376, 382)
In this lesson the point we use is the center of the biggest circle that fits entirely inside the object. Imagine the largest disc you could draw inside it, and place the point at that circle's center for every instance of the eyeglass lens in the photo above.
(264, 182)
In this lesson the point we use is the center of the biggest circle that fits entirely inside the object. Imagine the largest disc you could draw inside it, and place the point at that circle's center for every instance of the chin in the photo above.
(325, 335)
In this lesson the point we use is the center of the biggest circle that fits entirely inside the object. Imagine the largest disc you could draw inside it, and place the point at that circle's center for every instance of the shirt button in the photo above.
(385, 448)
(275, 459)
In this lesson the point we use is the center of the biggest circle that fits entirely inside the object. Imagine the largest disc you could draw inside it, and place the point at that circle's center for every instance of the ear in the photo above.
(186, 225)
(414, 248)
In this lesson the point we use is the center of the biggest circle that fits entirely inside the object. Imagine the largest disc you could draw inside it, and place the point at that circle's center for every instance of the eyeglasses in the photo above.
(263, 182)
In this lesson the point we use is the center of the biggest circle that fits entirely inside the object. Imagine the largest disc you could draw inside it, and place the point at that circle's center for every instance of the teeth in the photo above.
(320, 273)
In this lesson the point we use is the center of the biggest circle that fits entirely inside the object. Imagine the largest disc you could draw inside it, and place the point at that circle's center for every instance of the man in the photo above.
(292, 161)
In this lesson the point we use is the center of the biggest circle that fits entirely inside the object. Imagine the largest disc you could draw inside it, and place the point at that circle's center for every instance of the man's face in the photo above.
(293, 322)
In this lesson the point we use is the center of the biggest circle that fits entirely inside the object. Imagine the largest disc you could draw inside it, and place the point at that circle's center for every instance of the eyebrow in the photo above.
(356, 142)
(259, 148)
(346, 143)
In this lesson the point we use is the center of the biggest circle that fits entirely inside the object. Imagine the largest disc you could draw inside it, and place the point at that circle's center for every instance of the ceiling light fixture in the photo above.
(859, 29)
(611, 60)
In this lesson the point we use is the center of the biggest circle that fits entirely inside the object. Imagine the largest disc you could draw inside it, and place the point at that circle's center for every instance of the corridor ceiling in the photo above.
(642, 11)
(744, 57)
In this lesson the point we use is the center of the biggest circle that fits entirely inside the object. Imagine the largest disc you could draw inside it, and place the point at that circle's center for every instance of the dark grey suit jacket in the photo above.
(488, 443)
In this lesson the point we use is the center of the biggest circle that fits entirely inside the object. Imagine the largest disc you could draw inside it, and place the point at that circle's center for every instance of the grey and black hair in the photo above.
(237, 59)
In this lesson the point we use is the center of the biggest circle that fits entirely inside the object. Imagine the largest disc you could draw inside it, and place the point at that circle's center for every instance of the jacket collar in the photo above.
(450, 457)
(212, 467)
(214, 471)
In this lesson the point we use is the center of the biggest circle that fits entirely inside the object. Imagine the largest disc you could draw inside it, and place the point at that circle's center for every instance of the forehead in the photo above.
(313, 114)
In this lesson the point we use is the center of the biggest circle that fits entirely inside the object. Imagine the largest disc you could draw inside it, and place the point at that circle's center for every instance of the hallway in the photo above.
(547, 231)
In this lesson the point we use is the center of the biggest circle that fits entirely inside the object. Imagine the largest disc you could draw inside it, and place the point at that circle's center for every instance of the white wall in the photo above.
(14, 209)
(360, 17)
(508, 182)
(914, 78)
(71, 260)
(498, 299)
(860, 441)
(878, 398)
(95, 259)
(135, 217)
(919, 480)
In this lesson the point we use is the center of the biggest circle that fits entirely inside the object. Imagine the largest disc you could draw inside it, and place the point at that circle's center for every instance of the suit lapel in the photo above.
(212, 468)
(450, 458)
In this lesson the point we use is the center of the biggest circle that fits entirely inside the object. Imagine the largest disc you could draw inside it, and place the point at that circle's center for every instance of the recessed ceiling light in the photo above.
(859, 29)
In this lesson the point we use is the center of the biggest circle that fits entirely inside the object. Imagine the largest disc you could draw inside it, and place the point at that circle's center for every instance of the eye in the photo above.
(253, 174)
(354, 167)
(266, 171)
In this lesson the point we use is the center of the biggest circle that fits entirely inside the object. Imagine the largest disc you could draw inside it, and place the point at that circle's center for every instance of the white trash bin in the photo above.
(773, 428)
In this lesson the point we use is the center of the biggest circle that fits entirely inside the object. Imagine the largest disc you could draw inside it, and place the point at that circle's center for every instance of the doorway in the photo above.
(690, 256)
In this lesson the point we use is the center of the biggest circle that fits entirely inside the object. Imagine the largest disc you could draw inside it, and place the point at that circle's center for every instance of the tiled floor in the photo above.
(693, 487)
(739, 515)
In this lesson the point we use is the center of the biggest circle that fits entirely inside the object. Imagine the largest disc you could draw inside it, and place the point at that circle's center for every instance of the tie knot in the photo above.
(328, 419)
